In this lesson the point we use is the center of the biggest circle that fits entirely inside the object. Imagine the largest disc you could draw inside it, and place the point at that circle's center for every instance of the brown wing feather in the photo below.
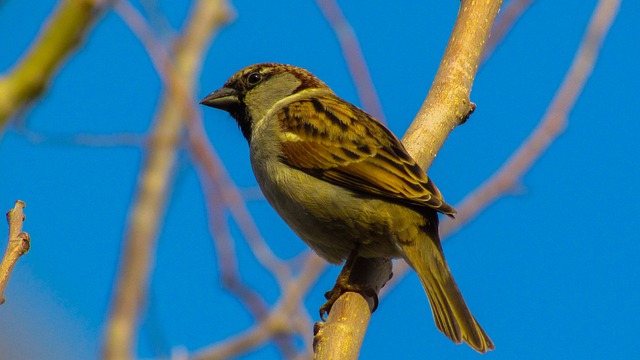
(347, 147)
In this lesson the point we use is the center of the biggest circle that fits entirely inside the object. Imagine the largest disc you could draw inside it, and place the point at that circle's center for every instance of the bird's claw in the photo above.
(342, 287)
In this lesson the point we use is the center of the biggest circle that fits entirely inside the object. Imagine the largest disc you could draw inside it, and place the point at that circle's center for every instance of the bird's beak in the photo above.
(224, 98)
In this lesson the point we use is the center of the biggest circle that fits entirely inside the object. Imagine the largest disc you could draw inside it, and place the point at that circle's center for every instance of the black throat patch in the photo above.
(242, 117)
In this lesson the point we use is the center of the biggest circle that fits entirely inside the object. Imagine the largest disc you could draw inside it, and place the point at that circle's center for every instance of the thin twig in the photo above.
(551, 125)
(158, 20)
(280, 320)
(211, 170)
(89, 140)
(210, 165)
(227, 258)
(353, 55)
(511, 13)
(548, 129)
(228, 264)
(238, 344)
(18, 245)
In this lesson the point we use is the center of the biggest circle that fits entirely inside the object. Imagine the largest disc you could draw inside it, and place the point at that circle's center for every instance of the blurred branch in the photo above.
(211, 171)
(18, 245)
(549, 128)
(210, 165)
(353, 55)
(156, 175)
(227, 258)
(228, 264)
(281, 320)
(509, 15)
(252, 193)
(90, 140)
(180, 101)
(61, 35)
(205, 155)
(446, 106)
(158, 20)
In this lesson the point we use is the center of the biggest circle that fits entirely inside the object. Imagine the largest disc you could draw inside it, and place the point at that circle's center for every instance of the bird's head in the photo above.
(251, 92)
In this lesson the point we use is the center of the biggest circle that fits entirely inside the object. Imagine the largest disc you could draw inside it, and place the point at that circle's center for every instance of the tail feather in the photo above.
(450, 312)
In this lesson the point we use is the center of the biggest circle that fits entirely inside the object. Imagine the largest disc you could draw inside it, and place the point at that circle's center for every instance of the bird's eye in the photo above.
(254, 78)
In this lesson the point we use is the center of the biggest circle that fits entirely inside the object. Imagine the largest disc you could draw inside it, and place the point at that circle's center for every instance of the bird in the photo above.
(344, 183)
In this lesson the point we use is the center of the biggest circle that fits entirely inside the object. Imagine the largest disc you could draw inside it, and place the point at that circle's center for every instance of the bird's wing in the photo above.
(337, 142)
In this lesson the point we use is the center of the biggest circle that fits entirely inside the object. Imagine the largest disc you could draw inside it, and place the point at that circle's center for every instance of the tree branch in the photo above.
(447, 104)
(342, 335)
(59, 37)
(18, 245)
(551, 125)
(548, 129)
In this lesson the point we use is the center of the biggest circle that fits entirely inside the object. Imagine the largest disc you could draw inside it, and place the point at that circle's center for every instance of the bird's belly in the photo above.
(330, 219)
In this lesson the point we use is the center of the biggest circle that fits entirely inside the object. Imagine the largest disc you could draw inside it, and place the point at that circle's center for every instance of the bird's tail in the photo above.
(450, 312)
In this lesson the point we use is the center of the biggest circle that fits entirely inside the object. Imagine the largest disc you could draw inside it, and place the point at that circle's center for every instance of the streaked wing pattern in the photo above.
(349, 148)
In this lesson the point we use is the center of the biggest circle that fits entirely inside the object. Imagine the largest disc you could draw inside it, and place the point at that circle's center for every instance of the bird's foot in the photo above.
(342, 286)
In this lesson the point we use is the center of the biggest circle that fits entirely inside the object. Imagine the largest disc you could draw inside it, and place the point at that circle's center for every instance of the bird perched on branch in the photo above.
(344, 183)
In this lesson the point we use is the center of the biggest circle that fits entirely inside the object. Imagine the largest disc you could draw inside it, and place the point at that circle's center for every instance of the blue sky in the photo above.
(550, 271)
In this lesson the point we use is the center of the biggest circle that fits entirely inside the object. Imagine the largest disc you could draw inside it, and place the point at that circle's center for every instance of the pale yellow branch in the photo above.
(18, 245)
(341, 336)
(447, 103)
(58, 39)
(550, 126)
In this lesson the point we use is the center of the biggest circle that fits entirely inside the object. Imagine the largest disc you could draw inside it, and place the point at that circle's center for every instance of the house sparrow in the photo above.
(343, 182)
